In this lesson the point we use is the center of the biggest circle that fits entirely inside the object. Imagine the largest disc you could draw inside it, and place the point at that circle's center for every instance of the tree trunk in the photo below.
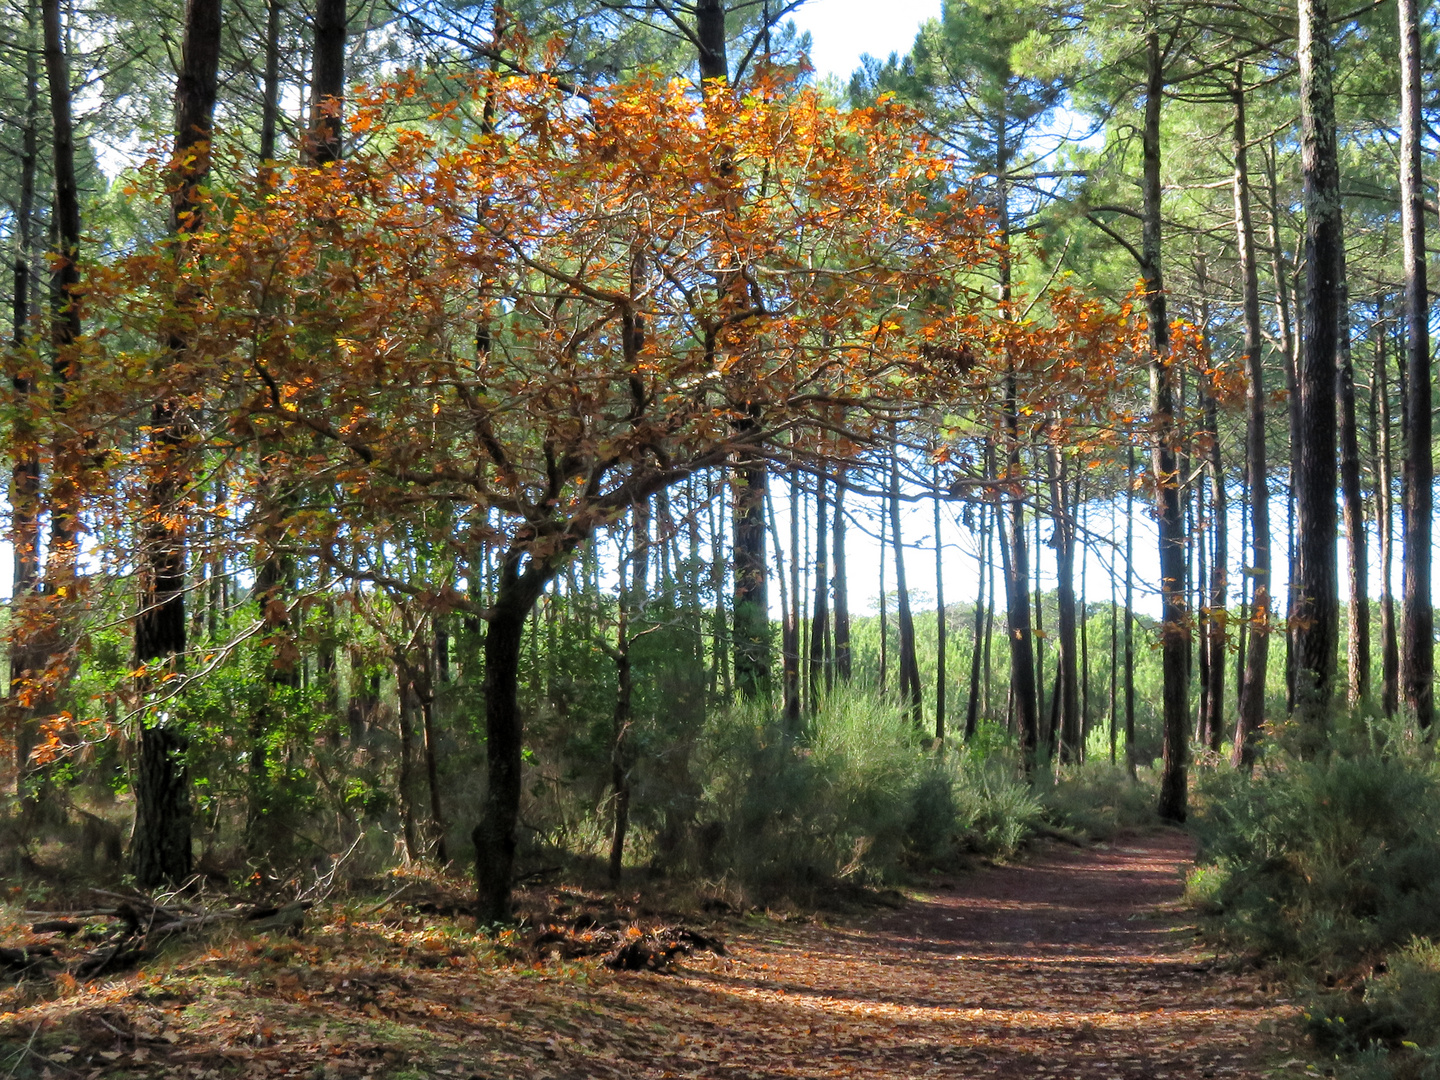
(972, 705)
(1385, 518)
(270, 107)
(789, 626)
(65, 326)
(988, 569)
(161, 848)
(1357, 645)
(909, 667)
(1175, 620)
(432, 772)
(1047, 731)
(820, 614)
(1024, 686)
(1417, 617)
(884, 606)
(1215, 616)
(1317, 592)
(842, 590)
(494, 837)
(26, 651)
(1289, 349)
(1114, 666)
(327, 83)
(1066, 674)
(719, 680)
(1084, 623)
(406, 780)
(620, 743)
(1251, 712)
(940, 627)
(752, 603)
(710, 37)
(1129, 606)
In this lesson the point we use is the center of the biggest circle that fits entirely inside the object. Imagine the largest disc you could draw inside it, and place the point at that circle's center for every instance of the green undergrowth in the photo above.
(858, 794)
(1326, 865)
(1098, 800)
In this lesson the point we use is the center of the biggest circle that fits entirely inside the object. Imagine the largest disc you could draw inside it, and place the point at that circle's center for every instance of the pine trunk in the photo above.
(1251, 712)
(1317, 601)
(1357, 642)
(909, 667)
(842, 593)
(1175, 619)
(1385, 518)
(26, 652)
(1067, 671)
(327, 83)
(1417, 617)
(161, 847)
(820, 613)
(752, 605)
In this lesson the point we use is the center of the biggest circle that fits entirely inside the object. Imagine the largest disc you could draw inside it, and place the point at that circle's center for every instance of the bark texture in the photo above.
(1417, 617)
(1317, 600)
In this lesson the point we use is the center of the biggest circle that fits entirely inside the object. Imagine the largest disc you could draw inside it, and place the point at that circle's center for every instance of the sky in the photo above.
(843, 30)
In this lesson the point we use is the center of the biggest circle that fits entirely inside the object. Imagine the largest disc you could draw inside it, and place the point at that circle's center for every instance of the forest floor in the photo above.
(1075, 962)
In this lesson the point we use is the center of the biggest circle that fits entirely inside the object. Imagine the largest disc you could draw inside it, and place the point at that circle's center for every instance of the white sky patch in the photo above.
(844, 30)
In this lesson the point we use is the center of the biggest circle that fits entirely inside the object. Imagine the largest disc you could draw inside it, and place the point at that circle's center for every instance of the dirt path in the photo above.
(1065, 966)
(1069, 965)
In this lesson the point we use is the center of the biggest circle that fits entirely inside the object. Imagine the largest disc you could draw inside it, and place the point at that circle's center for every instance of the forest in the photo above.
(491, 444)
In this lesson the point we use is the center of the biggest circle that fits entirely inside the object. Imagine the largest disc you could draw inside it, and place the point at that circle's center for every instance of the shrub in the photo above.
(857, 795)
(1327, 862)
(1099, 800)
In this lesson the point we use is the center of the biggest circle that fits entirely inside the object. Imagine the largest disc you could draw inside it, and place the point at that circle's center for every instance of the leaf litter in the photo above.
(1076, 963)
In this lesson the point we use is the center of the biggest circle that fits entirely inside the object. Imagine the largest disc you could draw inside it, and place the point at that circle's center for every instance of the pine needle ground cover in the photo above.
(1073, 963)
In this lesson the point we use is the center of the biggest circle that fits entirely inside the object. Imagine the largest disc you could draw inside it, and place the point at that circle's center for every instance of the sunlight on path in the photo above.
(1067, 966)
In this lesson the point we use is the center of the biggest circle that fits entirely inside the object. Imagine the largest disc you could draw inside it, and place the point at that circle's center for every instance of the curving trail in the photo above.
(1069, 965)
(1074, 964)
